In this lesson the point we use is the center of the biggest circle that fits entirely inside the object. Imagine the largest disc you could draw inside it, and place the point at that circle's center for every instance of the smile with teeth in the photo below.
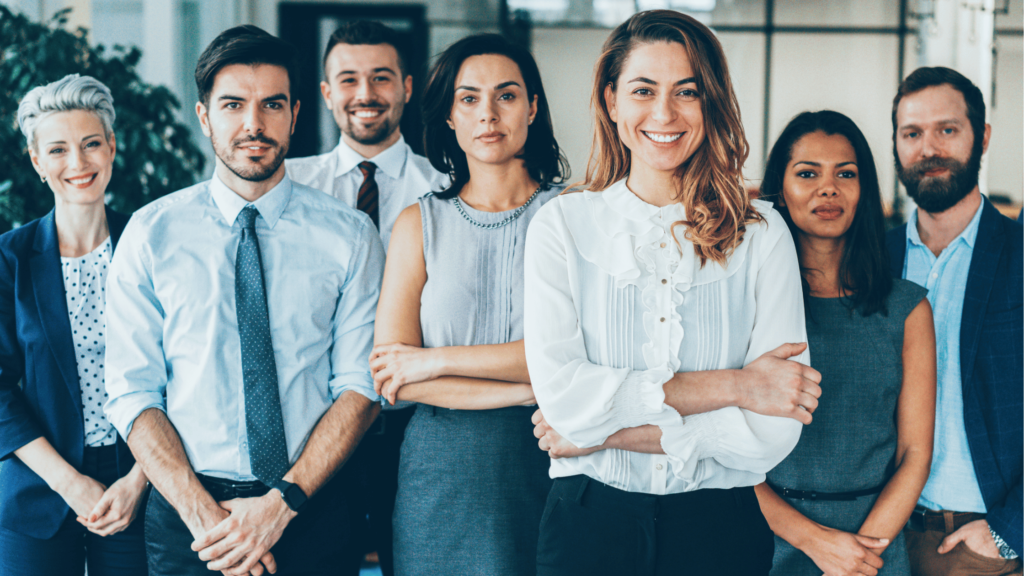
(82, 180)
(367, 113)
(664, 138)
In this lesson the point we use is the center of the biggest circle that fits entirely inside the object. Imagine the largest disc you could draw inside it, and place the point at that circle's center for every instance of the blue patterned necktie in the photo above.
(264, 425)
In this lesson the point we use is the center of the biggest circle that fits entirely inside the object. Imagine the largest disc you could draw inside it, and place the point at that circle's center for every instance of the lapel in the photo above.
(48, 288)
(988, 248)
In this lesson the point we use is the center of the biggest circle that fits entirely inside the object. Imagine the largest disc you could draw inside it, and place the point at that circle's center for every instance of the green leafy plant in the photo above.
(155, 152)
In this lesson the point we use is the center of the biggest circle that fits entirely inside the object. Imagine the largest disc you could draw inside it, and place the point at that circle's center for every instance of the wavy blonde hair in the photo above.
(711, 181)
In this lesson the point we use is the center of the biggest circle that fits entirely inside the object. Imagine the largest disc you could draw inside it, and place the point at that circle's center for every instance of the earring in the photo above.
(42, 178)
(530, 121)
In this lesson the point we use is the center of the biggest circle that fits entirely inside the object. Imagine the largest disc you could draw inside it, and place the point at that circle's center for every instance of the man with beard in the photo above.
(366, 87)
(240, 320)
(969, 257)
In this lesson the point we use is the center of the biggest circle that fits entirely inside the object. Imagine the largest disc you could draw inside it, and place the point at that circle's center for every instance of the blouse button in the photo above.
(664, 281)
(658, 467)
(662, 320)
(663, 244)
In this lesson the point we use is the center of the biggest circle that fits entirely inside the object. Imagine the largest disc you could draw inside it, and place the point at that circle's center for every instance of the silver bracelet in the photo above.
(1004, 549)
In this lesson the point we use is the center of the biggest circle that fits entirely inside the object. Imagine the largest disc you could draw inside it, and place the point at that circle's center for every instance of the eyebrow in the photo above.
(274, 98)
(692, 79)
(374, 71)
(811, 163)
(52, 142)
(954, 121)
(498, 87)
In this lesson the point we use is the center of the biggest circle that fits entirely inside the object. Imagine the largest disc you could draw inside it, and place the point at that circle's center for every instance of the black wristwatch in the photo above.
(292, 495)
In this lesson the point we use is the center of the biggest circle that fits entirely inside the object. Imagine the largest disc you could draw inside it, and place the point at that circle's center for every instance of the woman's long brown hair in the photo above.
(711, 181)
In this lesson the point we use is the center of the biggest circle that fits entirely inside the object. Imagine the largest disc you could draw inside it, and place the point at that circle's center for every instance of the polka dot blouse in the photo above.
(84, 281)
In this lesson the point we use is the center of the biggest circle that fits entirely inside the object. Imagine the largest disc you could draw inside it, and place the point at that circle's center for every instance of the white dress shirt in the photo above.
(402, 178)
(172, 329)
(614, 308)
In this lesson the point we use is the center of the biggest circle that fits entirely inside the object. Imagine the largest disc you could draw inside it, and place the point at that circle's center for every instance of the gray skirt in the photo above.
(841, 515)
(471, 490)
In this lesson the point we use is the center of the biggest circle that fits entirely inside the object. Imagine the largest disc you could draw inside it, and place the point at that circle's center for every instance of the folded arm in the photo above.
(463, 377)
(588, 403)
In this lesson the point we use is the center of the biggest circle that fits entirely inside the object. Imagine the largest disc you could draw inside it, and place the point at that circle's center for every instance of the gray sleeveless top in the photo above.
(481, 298)
(851, 444)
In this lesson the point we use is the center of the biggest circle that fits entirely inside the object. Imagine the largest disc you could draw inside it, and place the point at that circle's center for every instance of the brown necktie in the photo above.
(367, 199)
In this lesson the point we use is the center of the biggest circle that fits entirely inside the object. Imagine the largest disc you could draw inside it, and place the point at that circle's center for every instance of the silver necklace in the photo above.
(519, 212)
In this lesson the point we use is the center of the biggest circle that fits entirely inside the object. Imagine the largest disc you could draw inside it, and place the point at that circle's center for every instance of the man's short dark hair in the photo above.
(248, 45)
(937, 76)
(370, 32)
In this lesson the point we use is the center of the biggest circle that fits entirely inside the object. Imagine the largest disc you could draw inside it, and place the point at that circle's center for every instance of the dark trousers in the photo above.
(121, 554)
(309, 546)
(591, 528)
(371, 480)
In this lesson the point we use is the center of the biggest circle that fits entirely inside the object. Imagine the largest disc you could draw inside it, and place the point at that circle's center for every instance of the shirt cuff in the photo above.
(339, 386)
(640, 399)
(127, 409)
(682, 443)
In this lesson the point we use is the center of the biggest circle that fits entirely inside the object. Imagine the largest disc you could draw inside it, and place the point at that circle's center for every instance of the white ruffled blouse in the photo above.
(614, 308)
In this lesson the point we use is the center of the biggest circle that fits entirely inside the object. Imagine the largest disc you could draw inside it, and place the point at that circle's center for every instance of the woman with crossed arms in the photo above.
(449, 329)
(661, 307)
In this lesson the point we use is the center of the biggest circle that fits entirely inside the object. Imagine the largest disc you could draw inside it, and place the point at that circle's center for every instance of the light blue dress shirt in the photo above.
(172, 333)
(952, 484)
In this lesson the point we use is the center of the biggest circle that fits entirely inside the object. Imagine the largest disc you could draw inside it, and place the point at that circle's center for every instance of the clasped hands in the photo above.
(235, 538)
(395, 365)
(105, 511)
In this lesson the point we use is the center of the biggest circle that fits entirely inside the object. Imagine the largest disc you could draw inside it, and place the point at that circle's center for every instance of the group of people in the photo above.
(460, 363)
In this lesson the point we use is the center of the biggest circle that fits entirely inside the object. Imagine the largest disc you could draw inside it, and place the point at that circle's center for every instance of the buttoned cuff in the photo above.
(685, 442)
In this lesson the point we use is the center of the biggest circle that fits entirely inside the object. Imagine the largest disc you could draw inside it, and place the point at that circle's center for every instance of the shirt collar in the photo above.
(969, 234)
(270, 206)
(390, 161)
(626, 203)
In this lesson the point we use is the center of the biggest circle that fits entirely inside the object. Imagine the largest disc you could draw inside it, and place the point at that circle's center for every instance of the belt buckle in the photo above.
(917, 520)
(249, 490)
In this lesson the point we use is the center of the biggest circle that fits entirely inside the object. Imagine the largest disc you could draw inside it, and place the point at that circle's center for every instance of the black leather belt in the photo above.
(815, 495)
(223, 489)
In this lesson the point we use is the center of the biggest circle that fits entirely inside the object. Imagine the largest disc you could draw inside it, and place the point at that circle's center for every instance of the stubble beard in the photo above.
(371, 136)
(250, 170)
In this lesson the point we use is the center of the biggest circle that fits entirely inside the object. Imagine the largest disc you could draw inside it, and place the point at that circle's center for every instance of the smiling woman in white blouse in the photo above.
(71, 488)
(664, 325)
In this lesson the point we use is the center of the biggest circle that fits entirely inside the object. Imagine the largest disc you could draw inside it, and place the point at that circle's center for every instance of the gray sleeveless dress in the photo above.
(851, 444)
(471, 483)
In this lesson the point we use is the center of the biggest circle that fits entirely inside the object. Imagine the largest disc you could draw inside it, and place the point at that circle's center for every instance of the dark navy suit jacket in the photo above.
(36, 350)
(992, 364)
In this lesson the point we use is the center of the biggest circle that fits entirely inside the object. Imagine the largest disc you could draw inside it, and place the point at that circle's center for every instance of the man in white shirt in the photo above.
(366, 87)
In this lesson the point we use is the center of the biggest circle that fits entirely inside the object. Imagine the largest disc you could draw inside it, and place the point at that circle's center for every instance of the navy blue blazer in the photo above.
(992, 364)
(36, 350)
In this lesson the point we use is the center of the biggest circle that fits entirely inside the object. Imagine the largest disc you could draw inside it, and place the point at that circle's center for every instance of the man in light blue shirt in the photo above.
(969, 257)
(366, 87)
(240, 321)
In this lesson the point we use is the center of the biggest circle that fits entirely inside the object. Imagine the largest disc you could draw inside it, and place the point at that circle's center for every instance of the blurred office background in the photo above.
(785, 56)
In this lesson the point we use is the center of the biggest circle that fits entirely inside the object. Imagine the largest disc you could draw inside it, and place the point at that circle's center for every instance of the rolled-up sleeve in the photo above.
(136, 369)
(734, 437)
(576, 396)
(352, 329)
